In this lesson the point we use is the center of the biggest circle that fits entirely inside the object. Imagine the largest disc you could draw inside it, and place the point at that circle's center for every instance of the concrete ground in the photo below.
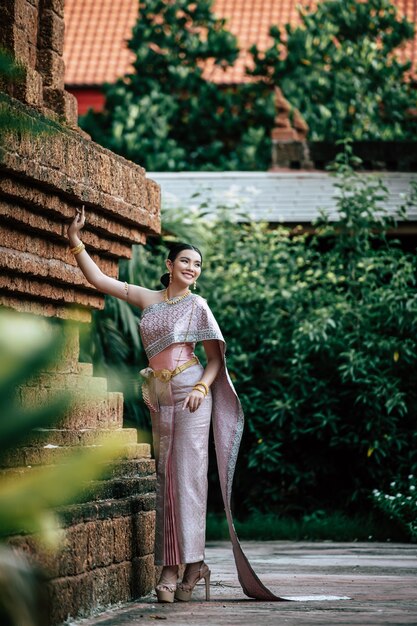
(376, 584)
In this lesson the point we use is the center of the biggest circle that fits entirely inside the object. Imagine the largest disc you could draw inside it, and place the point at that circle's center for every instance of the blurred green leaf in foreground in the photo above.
(28, 346)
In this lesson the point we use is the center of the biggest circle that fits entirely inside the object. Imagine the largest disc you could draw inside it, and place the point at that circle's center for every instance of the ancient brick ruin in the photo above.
(289, 136)
(107, 555)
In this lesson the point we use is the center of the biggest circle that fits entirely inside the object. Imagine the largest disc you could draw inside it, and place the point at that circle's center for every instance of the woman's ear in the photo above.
(169, 265)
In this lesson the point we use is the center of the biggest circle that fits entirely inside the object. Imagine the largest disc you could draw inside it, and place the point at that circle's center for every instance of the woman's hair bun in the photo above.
(165, 279)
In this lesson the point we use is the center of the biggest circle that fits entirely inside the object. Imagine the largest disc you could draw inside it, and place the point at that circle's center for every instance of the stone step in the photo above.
(89, 411)
(142, 465)
(116, 488)
(95, 409)
(85, 369)
(136, 451)
(41, 437)
(50, 454)
(132, 468)
(80, 513)
(82, 380)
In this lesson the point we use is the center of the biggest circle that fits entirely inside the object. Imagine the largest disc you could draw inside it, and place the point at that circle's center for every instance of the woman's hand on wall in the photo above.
(76, 225)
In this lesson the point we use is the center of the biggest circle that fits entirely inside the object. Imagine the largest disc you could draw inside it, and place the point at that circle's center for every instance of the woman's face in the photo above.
(186, 268)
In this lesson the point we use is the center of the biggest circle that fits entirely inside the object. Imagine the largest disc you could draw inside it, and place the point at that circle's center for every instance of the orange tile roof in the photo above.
(96, 32)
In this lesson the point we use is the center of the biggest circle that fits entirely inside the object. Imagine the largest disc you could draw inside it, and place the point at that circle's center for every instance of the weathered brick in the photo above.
(30, 89)
(55, 5)
(7, 21)
(51, 32)
(145, 502)
(115, 489)
(40, 307)
(88, 411)
(100, 542)
(112, 584)
(71, 596)
(51, 66)
(26, 19)
(123, 539)
(61, 380)
(48, 291)
(144, 532)
(143, 575)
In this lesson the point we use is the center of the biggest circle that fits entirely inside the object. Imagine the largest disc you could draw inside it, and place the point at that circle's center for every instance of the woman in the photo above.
(182, 396)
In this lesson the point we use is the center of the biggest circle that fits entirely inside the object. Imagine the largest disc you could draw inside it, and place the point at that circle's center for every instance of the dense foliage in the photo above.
(322, 347)
(166, 115)
(339, 67)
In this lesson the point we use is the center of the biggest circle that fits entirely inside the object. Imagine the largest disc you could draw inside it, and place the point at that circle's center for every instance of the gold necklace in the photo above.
(177, 298)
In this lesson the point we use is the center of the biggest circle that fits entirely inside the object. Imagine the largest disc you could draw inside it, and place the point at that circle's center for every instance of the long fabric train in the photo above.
(191, 320)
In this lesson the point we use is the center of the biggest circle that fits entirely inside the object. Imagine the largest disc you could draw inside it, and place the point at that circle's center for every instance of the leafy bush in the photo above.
(317, 526)
(323, 351)
(400, 504)
(341, 70)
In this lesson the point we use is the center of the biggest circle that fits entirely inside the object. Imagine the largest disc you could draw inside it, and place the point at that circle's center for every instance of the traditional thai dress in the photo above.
(169, 333)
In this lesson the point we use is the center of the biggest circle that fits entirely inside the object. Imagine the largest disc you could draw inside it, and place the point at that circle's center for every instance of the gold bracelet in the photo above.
(201, 382)
(200, 388)
(127, 291)
(78, 248)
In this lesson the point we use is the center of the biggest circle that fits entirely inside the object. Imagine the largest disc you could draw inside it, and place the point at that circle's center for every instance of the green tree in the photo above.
(341, 70)
(166, 115)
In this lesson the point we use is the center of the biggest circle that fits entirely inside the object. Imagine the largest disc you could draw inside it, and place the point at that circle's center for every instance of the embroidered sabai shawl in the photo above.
(191, 320)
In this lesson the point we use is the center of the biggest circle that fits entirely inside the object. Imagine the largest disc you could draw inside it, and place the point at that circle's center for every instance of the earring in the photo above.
(195, 285)
(170, 277)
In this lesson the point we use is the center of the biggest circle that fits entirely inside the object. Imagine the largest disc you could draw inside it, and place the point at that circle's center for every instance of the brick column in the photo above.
(107, 555)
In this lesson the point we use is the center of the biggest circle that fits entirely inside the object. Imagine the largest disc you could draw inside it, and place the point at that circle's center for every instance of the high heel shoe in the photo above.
(185, 589)
(165, 589)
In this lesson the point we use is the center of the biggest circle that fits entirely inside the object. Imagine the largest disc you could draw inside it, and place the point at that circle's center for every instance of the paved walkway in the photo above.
(380, 580)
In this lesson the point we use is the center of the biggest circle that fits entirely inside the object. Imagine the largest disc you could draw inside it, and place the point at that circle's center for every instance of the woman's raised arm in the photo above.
(136, 295)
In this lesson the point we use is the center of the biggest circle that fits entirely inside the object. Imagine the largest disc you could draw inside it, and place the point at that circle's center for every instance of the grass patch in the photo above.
(336, 526)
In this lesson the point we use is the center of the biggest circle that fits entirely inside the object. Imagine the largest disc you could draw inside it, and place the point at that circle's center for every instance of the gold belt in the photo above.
(165, 375)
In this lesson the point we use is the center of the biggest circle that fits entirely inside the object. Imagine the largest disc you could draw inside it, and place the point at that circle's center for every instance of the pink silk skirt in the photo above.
(181, 453)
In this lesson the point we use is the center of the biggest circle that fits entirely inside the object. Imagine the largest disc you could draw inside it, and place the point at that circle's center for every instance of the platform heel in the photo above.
(185, 590)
